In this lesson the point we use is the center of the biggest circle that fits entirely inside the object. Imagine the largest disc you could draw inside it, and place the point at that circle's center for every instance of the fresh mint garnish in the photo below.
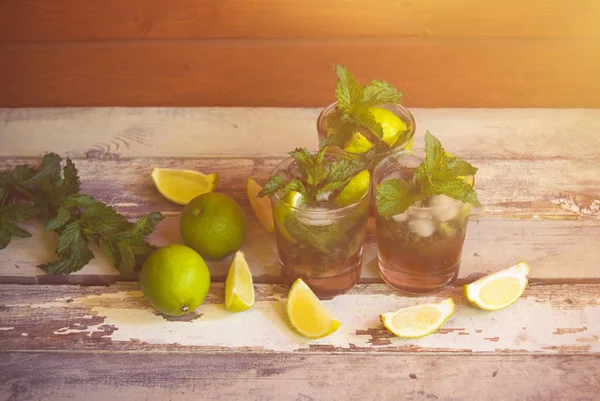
(319, 176)
(437, 174)
(352, 114)
(51, 192)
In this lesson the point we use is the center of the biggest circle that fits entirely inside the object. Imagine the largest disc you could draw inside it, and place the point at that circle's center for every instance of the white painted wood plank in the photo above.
(549, 319)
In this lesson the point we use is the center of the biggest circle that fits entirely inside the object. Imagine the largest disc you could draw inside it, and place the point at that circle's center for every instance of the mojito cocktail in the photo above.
(320, 209)
(423, 199)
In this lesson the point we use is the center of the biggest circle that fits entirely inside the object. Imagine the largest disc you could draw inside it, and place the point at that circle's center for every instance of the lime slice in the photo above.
(391, 124)
(282, 209)
(418, 321)
(307, 314)
(181, 186)
(239, 291)
(358, 144)
(498, 290)
(354, 190)
(261, 206)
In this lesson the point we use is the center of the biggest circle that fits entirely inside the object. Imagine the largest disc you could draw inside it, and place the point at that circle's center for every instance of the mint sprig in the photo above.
(354, 102)
(319, 176)
(438, 174)
(51, 193)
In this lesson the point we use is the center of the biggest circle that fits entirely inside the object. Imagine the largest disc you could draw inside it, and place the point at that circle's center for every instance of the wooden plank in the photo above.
(39, 20)
(558, 250)
(549, 319)
(148, 132)
(143, 376)
(441, 73)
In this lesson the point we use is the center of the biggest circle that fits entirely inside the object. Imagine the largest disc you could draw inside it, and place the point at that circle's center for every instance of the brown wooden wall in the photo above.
(451, 53)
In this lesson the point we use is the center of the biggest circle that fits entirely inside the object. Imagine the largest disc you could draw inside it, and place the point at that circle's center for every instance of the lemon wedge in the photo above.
(498, 290)
(239, 289)
(282, 209)
(261, 206)
(419, 320)
(391, 125)
(307, 315)
(181, 186)
(358, 144)
(354, 190)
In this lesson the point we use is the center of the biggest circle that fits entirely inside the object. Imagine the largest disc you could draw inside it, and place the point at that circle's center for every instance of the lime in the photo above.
(418, 321)
(181, 186)
(498, 290)
(214, 225)
(175, 279)
(261, 206)
(239, 291)
(307, 314)
(354, 190)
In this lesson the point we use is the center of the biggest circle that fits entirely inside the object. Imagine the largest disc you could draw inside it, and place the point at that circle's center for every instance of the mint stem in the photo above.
(23, 191)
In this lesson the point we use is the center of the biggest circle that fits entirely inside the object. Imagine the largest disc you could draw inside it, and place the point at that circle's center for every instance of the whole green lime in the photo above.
(214, 225)
(175, 279)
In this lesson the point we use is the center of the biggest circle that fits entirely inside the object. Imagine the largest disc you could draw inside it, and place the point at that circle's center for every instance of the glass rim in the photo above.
(336, 210)
(402, 152)
(412, 126)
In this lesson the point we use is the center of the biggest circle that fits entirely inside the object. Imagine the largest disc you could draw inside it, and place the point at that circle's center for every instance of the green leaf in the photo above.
(6, 179)
(272, 186)
(458, 167)
(102, 220)
(77, 201)
(458, 189)
(147, 224)
(342, 170)
(348, 91)
(70, 183)
(127, 260)
(49, 171)
(13, 230)
(18, 212)
(381, 92)
(61, 218)
(72, 249)
(395, 196)
(435, 157)
(22, 173)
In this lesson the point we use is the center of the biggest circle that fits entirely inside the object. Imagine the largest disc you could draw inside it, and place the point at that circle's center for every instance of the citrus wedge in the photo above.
(282, 209)
(354, 190)
(261, 206)
(307, 314)
(358, 144)
(419, 320)
(239, 289)
(181, 186)
(391, 124)
(498, 290)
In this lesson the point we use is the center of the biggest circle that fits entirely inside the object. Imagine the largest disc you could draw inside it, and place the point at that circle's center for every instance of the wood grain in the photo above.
(253, 377)
(549, 319)
(439, 73)
(44, 20)
(114, 132)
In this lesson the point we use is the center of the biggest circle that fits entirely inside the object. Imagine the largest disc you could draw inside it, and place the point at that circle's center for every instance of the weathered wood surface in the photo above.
(44, 20)
(538, 178)
(256, 377)
(452, 72)
(549, 319)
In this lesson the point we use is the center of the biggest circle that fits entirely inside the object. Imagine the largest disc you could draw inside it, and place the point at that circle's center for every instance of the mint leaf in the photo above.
(457, 189)
(381, 92)
(275, 184)
(395, 196)
(20, 212)
(102, 220)
(348, 91)
(61, 218)
(70, 183)
(457, 167)
(126, 260)
(72, 249)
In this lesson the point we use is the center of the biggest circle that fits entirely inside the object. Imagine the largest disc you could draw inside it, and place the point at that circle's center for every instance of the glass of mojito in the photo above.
(367, 121)
(320, 208)
(423, 201)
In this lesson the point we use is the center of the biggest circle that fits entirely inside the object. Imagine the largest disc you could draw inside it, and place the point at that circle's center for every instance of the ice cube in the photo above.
(410, 161)
(444, 207)
(422, 227)
(315, 216)
(400, 217)
(419, 213)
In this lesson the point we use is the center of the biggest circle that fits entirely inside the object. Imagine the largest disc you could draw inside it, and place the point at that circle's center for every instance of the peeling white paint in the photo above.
(6, 328)
(571, 204)
(24, 334)
(528, 325)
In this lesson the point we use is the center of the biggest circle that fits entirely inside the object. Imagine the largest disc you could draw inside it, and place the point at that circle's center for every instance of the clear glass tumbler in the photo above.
(419, 251)
(319, 242)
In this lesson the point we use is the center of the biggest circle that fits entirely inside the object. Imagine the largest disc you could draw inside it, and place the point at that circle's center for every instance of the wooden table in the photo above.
(91, 336)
